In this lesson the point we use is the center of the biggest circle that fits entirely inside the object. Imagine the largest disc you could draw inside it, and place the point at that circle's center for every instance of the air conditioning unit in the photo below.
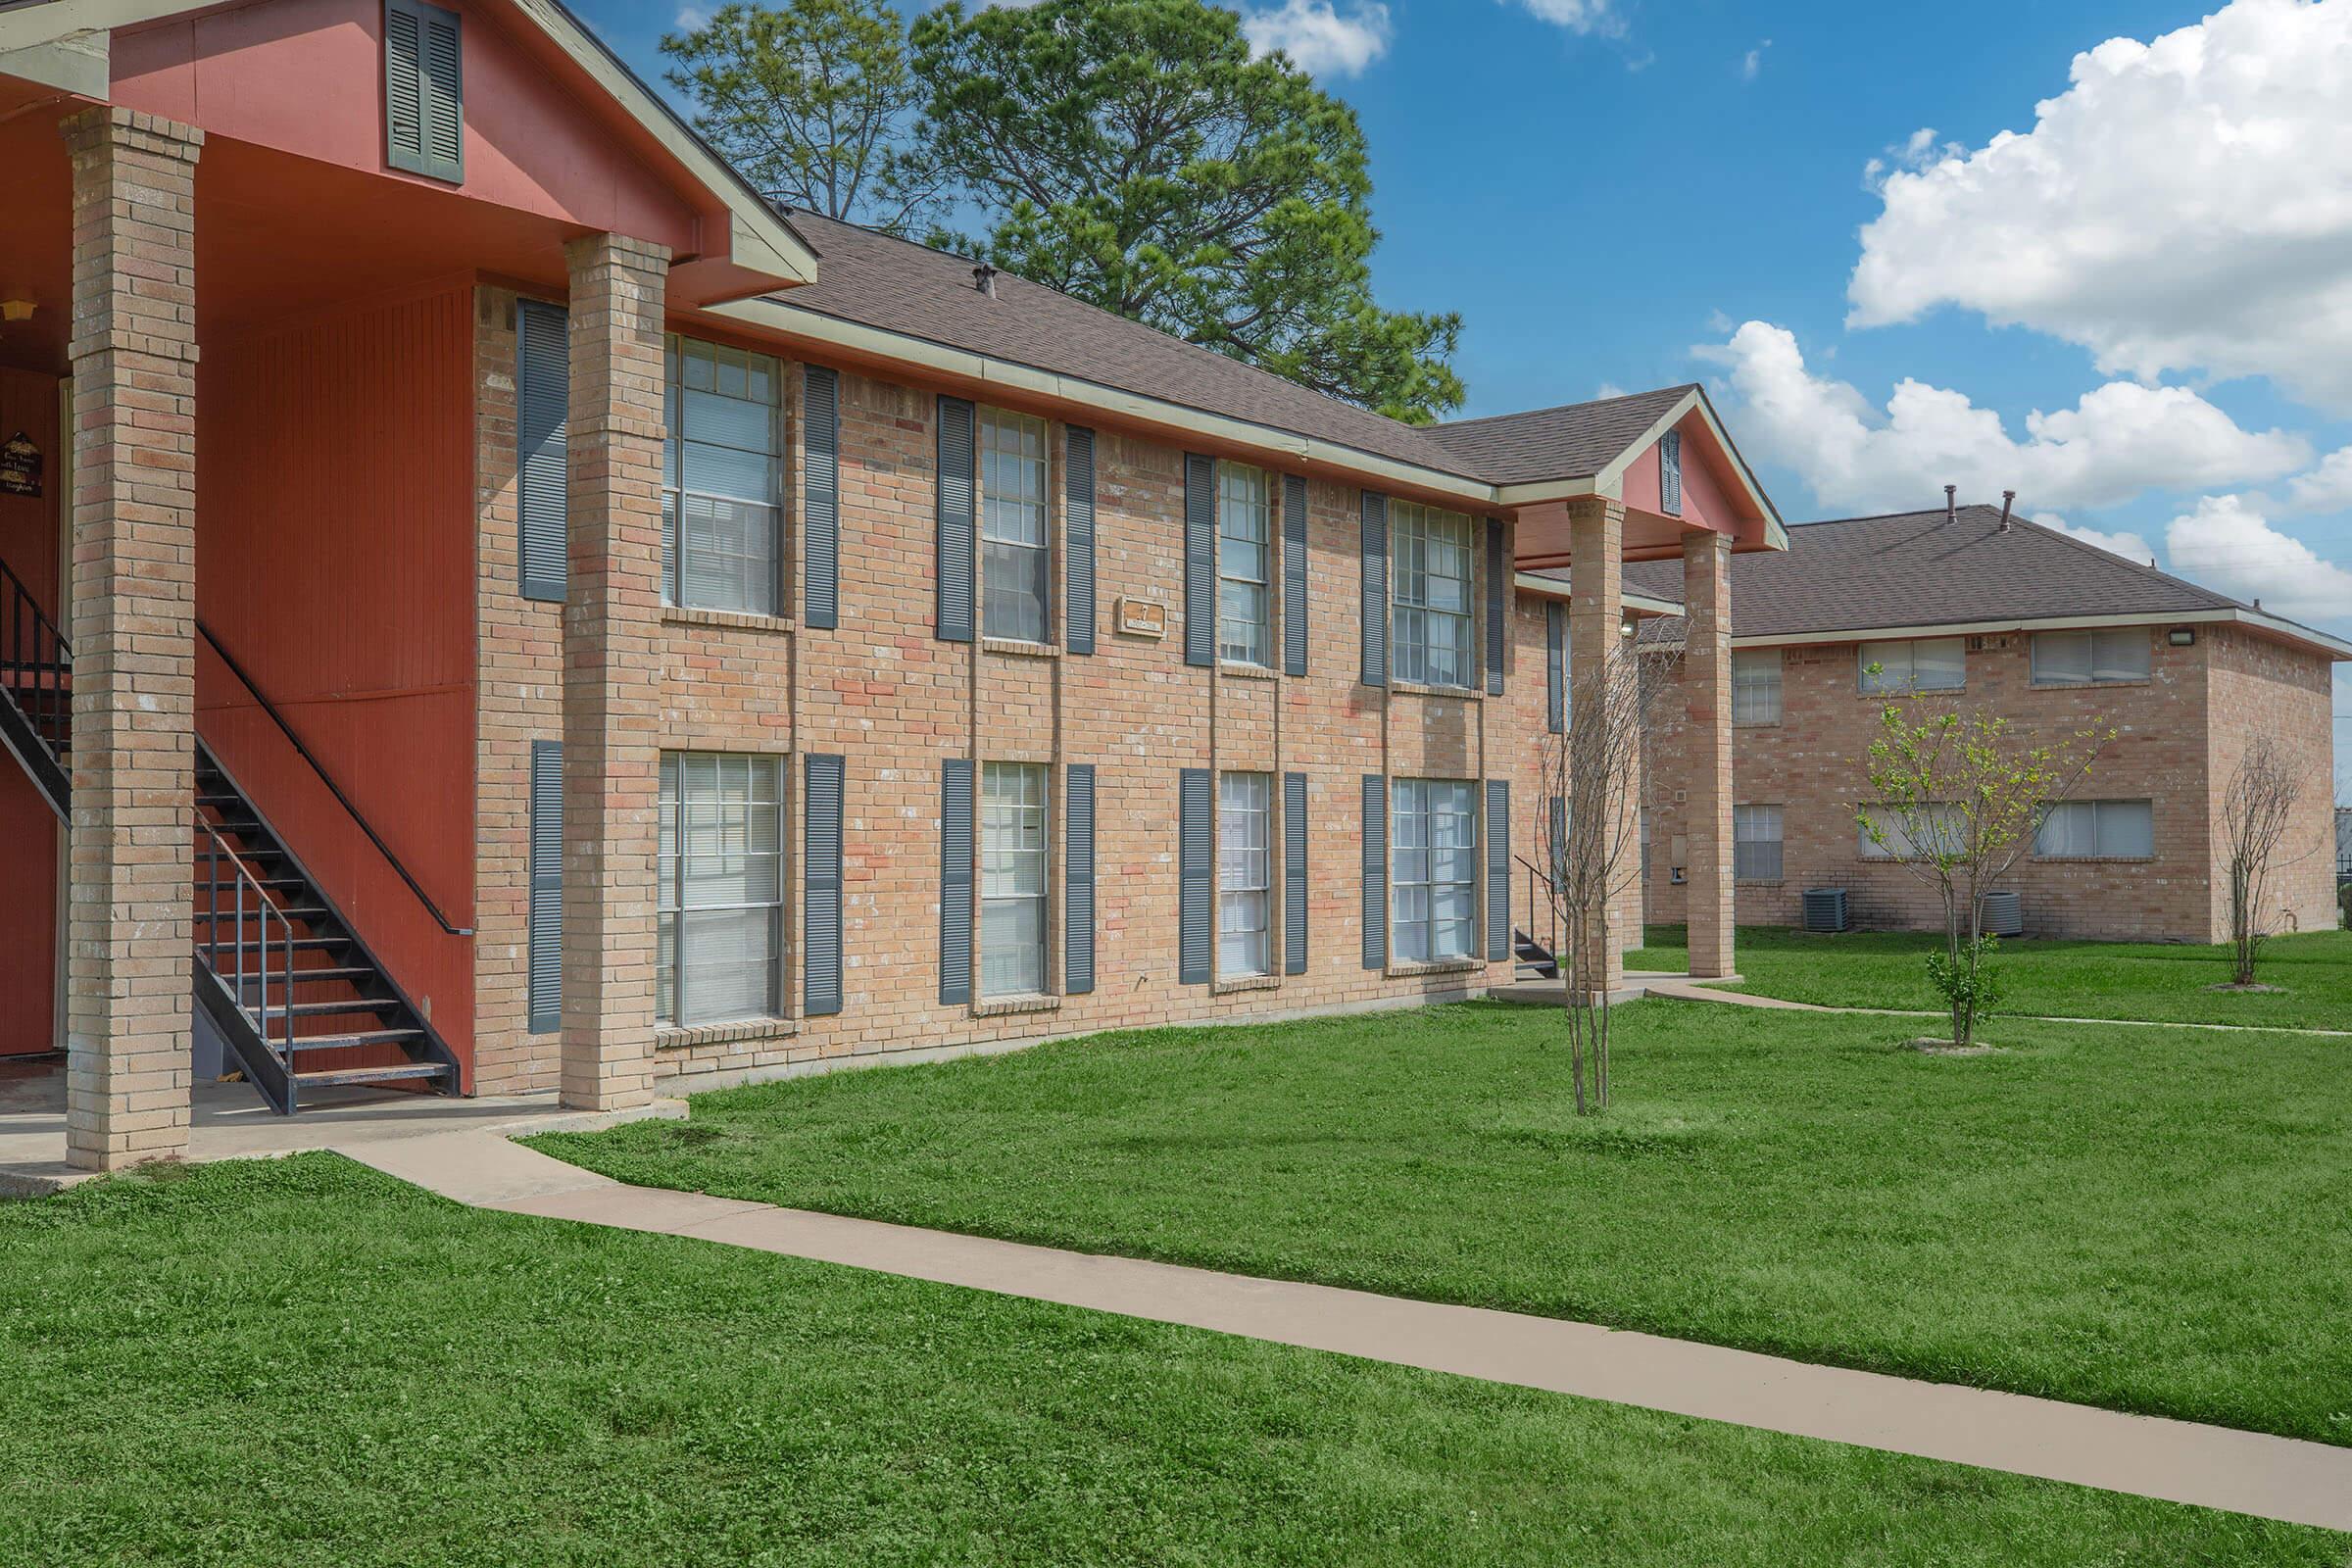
(1824, 908)
(2004, 914)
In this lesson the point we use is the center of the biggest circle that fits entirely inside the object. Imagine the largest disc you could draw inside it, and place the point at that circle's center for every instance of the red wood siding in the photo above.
(336, 562)
(28, 830)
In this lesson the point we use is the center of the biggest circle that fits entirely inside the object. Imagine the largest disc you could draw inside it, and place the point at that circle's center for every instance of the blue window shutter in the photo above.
(1374, 545)
(1294, 575)
(957, 480)
(1294, 873)
(1560, 840)
(1195, 879)
(424, 91)
(1078, 539)
(820, 497)
(1556, 667)
(542, 409)
(547, 888)
(1498, 869)
(1498, 600)
(820, 871)
(1199, 559)
(1376, 871)
(955, 881)
(1670, 473)
(1078, 880)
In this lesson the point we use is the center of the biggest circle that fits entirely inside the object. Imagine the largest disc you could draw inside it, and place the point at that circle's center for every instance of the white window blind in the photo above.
(1244, 873)
(2097, 830)
(720, 479)
(1244, 566)
(1433, 870)
(1756, 842)
(1015, 545)
(2091, 657)
(1431, 559)
(1756, 686)
(1012, 879)
(721, 888)
(1923, 665)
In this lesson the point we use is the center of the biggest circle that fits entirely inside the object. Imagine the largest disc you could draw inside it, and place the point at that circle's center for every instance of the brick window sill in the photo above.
(1003, 1007)
(1019, 648)
(730, 619)
(2086, 685)
(668, 1038)
(1228, 666)
(1246, 982)
(1414, 688)
(2092, 859)
(1760, 882)
(1925, 691)
(1757, 723)
(1414, 971)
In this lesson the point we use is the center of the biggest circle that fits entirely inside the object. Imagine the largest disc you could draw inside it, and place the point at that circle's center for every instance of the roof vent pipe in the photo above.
(984, 279)
(2008, 496)
(1951, 508)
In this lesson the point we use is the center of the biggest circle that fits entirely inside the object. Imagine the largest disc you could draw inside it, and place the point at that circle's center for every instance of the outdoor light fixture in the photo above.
(2182, 637)
(16, 310)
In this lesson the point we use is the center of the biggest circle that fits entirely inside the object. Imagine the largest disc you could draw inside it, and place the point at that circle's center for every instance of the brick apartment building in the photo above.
(2021, 621)
(500, 609)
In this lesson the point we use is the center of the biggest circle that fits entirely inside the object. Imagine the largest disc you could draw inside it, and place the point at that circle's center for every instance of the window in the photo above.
(1944, 825)
(1929, 664)
(1015, 560)
(2091, 657)
(1756, 686)
(720, 923)
(1756, 842)
(2097, 830)
(1012, 879)
(1431, 629)
(1244, 873)
(1434, 860)
(1244, 566)
(719, 478)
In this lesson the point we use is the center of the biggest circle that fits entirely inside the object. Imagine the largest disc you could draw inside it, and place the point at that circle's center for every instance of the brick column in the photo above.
(1595, 634)
(130, 856)
(611, 675)
(1707, 688)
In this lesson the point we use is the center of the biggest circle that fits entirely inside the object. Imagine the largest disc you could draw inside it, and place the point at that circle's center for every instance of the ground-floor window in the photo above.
(1756, 842)
(2097, 830)
(1433, 914)
(721, 894)
(1244, 873)
(1012, 879)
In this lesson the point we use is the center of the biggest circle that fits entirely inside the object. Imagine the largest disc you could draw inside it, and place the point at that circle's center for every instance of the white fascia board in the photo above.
(2335, 648)
(1527, 582)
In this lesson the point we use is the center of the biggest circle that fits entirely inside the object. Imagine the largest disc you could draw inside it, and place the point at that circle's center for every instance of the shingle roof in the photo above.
(899, 286)
(1573, 441)
(1917, 568)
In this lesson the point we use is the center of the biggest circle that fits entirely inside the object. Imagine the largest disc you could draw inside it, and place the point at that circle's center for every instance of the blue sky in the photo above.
(2158, 258)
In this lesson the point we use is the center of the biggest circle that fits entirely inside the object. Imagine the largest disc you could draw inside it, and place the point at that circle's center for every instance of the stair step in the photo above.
(258, 881)
(371, 1075)
(331, 1010)
(345, 1040)
(340, 975)
(279, 945)
(227, 910)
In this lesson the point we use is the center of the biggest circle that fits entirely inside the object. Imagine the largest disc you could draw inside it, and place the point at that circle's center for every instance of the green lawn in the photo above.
(2146, 1219)
(2161, 982)
(304, 1363)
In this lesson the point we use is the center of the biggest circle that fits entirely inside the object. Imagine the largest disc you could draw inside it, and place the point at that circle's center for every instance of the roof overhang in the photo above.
(1609, 483)
(1540, 587)
(49, 39)
(2304, 637)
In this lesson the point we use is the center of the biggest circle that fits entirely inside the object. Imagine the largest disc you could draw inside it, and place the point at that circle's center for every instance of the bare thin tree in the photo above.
(2258, 819)
(1593, 770)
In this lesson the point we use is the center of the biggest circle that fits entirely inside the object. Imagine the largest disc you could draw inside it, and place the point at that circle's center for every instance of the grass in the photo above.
(2164, 983)
(2149, 1220)
(304, 1363)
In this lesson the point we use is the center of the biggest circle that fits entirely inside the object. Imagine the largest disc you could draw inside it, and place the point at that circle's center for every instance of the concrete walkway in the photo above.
(1686, 989)
(2215, 1467)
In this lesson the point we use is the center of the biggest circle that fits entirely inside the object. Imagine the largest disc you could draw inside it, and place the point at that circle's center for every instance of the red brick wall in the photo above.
(1812, 765)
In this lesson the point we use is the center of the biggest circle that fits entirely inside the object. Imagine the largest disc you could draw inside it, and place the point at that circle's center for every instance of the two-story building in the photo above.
(1992, 612)
(490, 605)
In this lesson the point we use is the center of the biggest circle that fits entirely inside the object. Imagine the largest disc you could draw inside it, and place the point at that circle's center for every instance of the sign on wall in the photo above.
(20, 466)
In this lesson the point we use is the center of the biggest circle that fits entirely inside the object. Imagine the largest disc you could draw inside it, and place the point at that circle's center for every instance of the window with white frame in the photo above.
(720, 922)
(722, 541)
(1756, 686)
(2112, 657)
(1015, 523)
(1432, 636)
(1244, 566)
(1244, 874)
(1756, 842)
(1012, 879)
(1433, 870)
(1939, 825)
(2097, 830)
(1920, 664)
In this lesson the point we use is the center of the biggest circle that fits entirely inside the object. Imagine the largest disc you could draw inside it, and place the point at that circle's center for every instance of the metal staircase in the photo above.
(1536, 960)
(296, 994)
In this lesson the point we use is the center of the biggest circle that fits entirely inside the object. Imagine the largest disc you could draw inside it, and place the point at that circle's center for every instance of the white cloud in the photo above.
(1607, 389)
(1577, 16)
(2227, 545)
(2131, 546)
(1318, 39)
(1752, 63)
(2184, 204)
(2120, 440)
(691, 17)
(2326, 488)
(1915, 151)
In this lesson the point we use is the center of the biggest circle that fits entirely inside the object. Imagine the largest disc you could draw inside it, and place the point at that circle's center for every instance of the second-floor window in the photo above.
(1756, 686)
(723, 545)
(1016, 539)
(1921, 665)
(1244, 566)
(1431, 625)
(1012, 879)
(2091, 657)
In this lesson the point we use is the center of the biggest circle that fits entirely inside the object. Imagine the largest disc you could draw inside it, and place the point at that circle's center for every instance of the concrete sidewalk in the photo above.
(2215, 1467)
(1683, 988)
